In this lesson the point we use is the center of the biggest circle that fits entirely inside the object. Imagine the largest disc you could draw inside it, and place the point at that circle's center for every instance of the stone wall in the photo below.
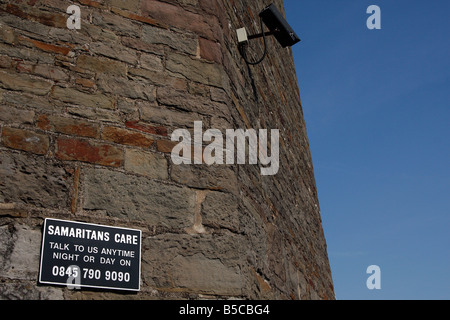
(85, 123)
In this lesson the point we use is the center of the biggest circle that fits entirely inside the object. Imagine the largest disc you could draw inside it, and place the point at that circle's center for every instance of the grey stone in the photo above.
(6, 245)
(202, 263)
(119, 25)
(220, 210)
(151, 62)
(69, 37)
(114, 51)
(128, 88)
(167, 116)
(26, 54)
(21, 82)
(158, 78)
(102, 65)
(95, 114)
(14, 115)
(138, 198)
(30, 180)
(216, 177)
(181, 42)
(25, 25)
(99, 34)
(189, 102)
(198, 273)
(125, 4)
(196, 70)
(22, 255)
(29, 100)
(28, 291)
(148, 164)
(76, 97)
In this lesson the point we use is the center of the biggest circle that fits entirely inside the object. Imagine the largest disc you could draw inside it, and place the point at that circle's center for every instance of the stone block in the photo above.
(189, 102)
(181, 42)
(26, 54)
(25, 140)
(21, 82)
(48, 47)
(68, 126)
(145, 127)
(29, 25)
(76, 97)
(21, 259)
(127, 88)
(27, 290)
(46, 71)
(151, 62)
(210, 50)
(176, 82)
(102, 65)
(196, 70)
(25, 179)
(88, 151)
(126, 137)
(114, 51)
(176, 16)
(207, 264)
(95, 114)
(112, 22)
(166, 146)
(220, 210)
(29, 13)
(140, 45)
(11, 115)
(26, 100)
(8, 35)
(147, 164)
(216, 177)
(125, 4)
(167, 116)
(139, 18)
(138, 198)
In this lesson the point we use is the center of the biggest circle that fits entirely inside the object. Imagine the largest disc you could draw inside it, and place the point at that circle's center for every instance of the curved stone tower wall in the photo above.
(86, 118)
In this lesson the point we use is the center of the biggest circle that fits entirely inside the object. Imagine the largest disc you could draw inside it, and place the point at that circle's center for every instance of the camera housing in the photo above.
(278, 26)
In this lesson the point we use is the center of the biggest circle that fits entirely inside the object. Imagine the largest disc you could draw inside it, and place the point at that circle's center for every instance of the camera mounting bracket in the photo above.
(278, 27)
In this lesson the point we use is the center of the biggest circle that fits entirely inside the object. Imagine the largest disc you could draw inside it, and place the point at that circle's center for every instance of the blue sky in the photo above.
(377, 109)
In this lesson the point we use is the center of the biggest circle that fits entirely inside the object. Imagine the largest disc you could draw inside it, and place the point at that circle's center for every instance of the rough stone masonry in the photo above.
(85, 122)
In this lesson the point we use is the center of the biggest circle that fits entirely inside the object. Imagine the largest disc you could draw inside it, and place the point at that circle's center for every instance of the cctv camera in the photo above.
(278, 25)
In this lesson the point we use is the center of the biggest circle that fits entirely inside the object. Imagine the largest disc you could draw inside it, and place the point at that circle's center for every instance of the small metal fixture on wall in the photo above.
(278, 27)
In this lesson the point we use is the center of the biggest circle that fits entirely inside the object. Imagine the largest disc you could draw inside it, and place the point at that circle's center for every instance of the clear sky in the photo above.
(377, 109)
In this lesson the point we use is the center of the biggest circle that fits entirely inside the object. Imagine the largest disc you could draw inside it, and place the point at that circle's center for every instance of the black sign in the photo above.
(77, 254)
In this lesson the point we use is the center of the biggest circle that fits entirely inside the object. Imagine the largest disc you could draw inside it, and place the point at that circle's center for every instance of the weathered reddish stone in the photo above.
(204, 25)
(91, 3)
(49, 19)
(139, 18)
(127, 137)
(161, 131)
(50, 47)
(210, 50)
(85, 83)
(69, 126)
(88, 151)
(166, 146)
(25, 140)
